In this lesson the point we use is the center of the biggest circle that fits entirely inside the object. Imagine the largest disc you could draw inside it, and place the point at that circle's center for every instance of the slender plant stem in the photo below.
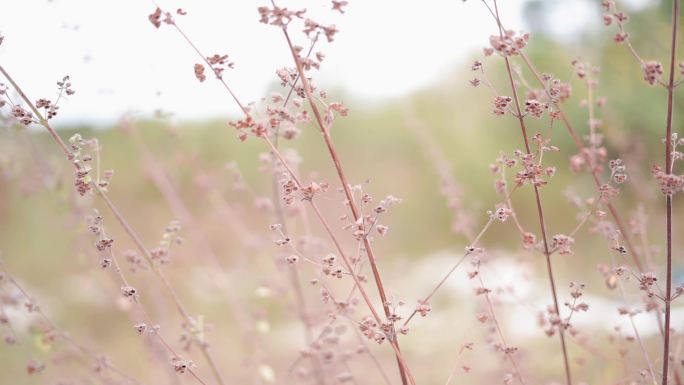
(347, 191)
(540, 209)
(594, 171)
(403, 368)
(439, 285)
(668, 197)
(499, 331)
(328, 229)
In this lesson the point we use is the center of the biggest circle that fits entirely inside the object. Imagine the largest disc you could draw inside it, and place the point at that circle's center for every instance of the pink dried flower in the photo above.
(621, 37)
(104, 244)
(65, 86)
(670, 184)
(500, 104)
(219, 63)
(10, 339)
(501, 214)
(618, 169)
(482, 291)
(653, 70)
(559, 91)
(529, 240)
(338, 5)
(278, 16)
(155, 17)
(199, 72)
(382, 229)
(607, 20)
(180, 365)
(43, 103)
(34, 367)
(509, 44)
(339, 108)
(330, 32)
(31, 305)
(423, 308)
(141, 328)
(646, 280)
(535, 108)
(621, 17)
(129, 291)
(24, 117)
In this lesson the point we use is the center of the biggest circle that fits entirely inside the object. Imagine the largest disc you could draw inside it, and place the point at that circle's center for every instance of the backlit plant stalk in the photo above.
(328, 229)
(668, 197)
(356, 213)
(403, 368)
(540, 209)
(619, 222)
(594, 171)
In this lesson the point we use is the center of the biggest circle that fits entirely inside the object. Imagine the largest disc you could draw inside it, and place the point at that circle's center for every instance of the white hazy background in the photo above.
(119, 63)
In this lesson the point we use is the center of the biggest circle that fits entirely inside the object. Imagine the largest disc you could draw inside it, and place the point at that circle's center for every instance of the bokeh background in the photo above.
(403, 71)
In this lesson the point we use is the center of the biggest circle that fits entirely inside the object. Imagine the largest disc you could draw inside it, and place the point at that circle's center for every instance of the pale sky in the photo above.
(119, 62)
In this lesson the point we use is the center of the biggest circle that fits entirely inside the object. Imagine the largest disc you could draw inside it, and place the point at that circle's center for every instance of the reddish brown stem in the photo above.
(668, 198)
(328, 229)
(540, 209)
(347, 191)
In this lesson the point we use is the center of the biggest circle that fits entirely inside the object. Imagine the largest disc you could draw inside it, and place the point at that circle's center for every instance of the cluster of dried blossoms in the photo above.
(507, 44)
(26, 117)
(538, 101)
(672, 183)
(83, 152)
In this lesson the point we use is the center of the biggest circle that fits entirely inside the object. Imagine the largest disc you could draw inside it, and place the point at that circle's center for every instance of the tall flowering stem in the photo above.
(347, 191)
(594, 172)
(540, 209)
(403, 367)
(668, 197)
